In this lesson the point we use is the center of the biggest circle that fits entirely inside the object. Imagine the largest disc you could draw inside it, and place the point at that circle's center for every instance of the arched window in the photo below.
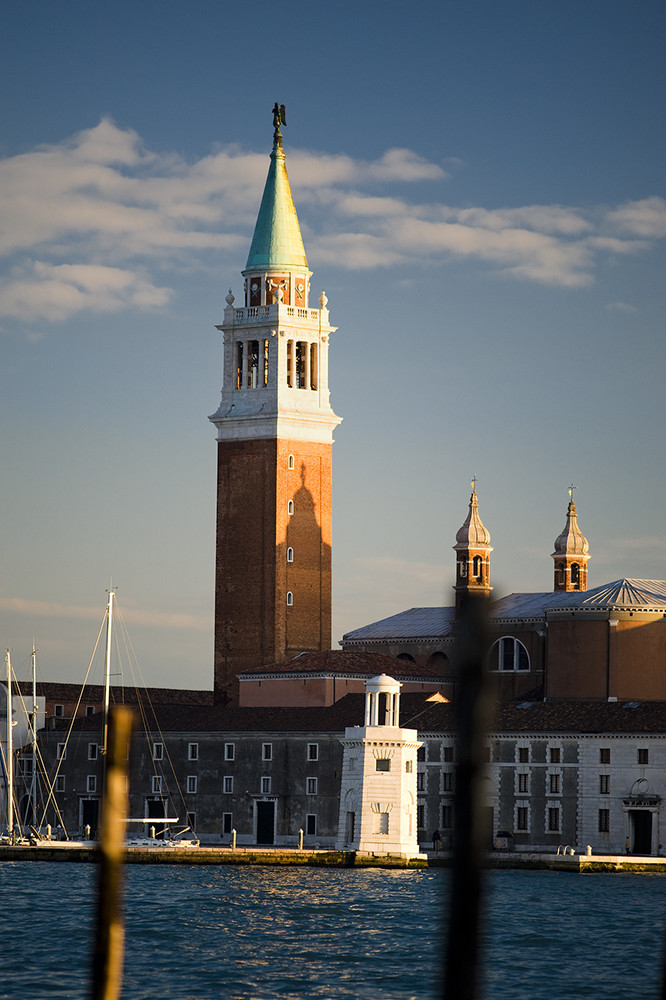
(290, 462)
(290, 507)
(290, 554)
(406, 656)
(477, 568)
(508, 653)
(290, 599)
(575, 575)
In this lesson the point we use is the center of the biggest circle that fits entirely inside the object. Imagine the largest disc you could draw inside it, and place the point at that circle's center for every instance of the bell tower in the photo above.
(571, 553)
(275, 433)
(472, 550)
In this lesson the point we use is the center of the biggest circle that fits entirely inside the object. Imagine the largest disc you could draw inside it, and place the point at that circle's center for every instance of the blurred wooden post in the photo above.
(463, 954)
(110, 940)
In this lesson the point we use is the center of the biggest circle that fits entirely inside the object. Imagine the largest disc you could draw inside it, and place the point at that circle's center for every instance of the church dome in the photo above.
(473, 532)
(571, 541)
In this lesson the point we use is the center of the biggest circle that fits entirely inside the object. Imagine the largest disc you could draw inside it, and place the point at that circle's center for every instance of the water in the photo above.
(222, 933)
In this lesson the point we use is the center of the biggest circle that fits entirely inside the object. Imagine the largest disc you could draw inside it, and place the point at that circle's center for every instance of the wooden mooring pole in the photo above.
(110, 937)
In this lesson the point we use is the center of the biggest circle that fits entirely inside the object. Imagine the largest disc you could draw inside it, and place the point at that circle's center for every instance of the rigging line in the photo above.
(149, 720)
(51, 784)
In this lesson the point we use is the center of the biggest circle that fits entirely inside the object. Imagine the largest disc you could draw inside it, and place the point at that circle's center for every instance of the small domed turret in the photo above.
(473, 550)
(571, 553)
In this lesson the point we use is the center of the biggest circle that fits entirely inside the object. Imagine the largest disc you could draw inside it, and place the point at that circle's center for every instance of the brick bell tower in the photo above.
(572, 553)
(275, 433)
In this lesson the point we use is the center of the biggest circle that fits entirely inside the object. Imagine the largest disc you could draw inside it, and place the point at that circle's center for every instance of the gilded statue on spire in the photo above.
(279, 118)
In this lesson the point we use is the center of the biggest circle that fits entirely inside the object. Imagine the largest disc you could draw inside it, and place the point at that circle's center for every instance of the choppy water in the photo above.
(218, 933)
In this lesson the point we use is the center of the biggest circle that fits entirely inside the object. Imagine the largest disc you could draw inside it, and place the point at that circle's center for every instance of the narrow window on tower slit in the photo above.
(290, 507)
(313, 366)
(239, 365)
(290, 599)
(265, 362)
(290, 554)
(253, 364)
(290, 462)
(290, 367)
(476, 567)
(301, 354)
(575, 575)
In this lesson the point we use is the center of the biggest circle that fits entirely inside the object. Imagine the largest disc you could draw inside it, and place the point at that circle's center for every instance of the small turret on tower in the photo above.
(571, 553)
(472, 550)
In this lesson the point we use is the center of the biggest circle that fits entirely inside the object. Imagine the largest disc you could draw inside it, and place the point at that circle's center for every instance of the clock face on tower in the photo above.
(255, 292)
(299, 298)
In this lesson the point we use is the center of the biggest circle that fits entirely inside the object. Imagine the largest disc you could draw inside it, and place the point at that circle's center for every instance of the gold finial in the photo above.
(571, 489)
(279, 118)
(473, 483)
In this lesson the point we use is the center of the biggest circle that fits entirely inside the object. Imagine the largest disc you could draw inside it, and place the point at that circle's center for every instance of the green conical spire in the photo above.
(277, 240)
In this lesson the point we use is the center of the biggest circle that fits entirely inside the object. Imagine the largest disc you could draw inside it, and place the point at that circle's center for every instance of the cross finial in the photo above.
(473, 483)
(571, 489)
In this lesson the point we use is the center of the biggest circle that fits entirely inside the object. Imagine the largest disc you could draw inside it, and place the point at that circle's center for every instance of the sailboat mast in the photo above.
(33, 785)
(10, 750)
(107, 668)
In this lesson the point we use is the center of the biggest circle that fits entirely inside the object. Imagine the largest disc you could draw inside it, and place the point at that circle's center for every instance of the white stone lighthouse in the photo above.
(378, 792)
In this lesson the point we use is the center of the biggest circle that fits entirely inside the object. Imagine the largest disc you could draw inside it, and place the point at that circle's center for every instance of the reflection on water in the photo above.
(263, 933)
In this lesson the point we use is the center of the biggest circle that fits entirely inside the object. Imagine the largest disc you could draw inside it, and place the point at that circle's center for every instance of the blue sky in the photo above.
(481, 194)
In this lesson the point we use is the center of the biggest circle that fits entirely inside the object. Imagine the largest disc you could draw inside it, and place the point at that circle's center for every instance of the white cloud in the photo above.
(621, 307)
(45, 291)
(89, 223)
(641, 218)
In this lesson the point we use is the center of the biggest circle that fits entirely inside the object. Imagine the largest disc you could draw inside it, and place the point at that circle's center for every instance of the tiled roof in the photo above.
(417, 623)
(416, 712)
(338, 661)
(94, 693)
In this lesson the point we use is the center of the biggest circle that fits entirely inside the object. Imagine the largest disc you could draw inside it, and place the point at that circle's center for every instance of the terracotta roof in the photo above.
(94, 693)
(343, 662)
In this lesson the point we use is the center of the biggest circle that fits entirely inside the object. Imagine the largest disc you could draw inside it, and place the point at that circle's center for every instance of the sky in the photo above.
(480, 189)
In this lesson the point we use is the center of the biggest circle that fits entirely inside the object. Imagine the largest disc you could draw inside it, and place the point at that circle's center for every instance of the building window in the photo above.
(554, 784)
(523, 783)
(191, 784)
(383, 823)
(290, 554)
(523, 755)
(522, 819)
(382, 764)
(311, 786)
(26, 765)
(575, 576)
(447, 816)
(477, 567)
(311, 825)
(553, 819)
(313, 751)
(193, 751)
(604, 755)
(643, 756)
(91, 783)
(60, 783)
(420, 781)
(157, 784)
(61, 751)
(92, 751)
(290, 599)
(447, 755)
(265, 786)
(227, 822)
(604, 784)
(313, 366)
(604, 821)
(158, 751)
(290, 460)
(290, 507)
(508, 654)
(229, 751)
(555, 755)
(59, 711)
(239, 365)
(420, 816)
(192, 822)
(228, 785)
(447, 781)
(90, 710)
(409, 766)
(421, 753)
(267, 751)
